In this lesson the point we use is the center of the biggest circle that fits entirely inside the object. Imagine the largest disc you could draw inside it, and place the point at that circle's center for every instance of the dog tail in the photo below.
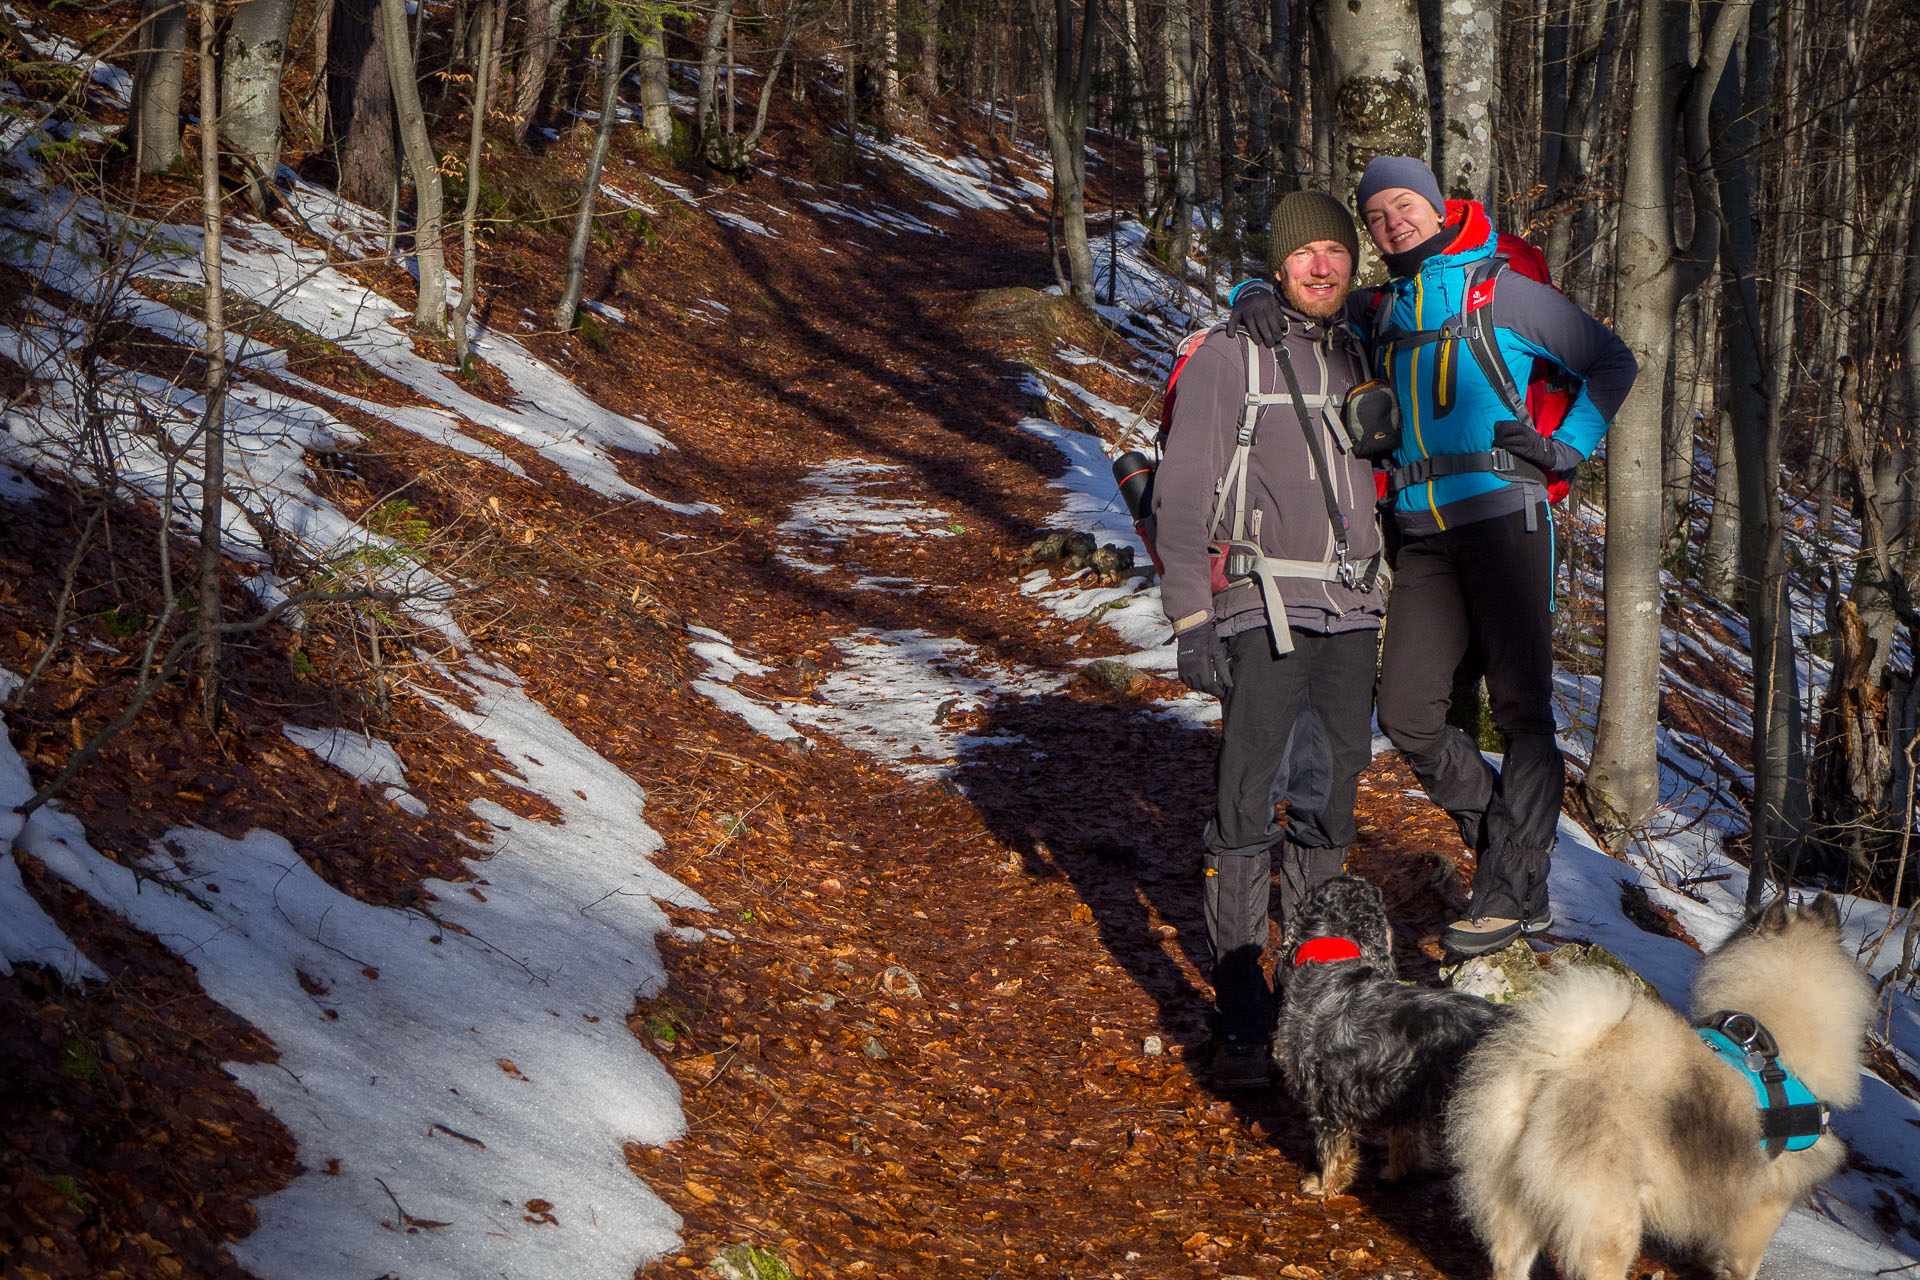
(1501, 1079)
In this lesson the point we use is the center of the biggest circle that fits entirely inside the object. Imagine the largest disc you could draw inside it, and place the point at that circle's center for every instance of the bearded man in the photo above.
(1265, 527)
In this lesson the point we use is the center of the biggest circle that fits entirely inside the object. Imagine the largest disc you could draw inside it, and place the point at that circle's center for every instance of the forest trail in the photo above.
(924, 1043)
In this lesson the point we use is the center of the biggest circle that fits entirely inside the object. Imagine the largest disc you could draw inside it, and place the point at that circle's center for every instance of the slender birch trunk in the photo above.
(476, 154)
(1176, 45)
(430, 309)
(213, 430)
(569, 304)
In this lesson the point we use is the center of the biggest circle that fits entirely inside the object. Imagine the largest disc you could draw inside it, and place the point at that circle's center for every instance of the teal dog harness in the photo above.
(1791, 1118)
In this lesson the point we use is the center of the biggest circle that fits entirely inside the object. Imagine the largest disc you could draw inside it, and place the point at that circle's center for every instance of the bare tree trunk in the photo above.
(1148, 104)
(1722, 551)
(360, 103)
(1585, 78)
(1176, 46)
(1623, 782)
(849, 81)
(1066, 90)
(1378, 90)
(1779, 805)
(569, 304)
(1227, 244)
(1909, 314)
(709, 89)
(656, 114)
(158, 78)
(930, 51)
(213, 431)
(542, 37)
(255, 52)
(476, 153)
(1687, 408)
(430, 310)
(792, 20)
(1463, 95)
(889, 45)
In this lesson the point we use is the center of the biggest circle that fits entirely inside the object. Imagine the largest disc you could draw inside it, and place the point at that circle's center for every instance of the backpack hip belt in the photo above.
(1496, 460)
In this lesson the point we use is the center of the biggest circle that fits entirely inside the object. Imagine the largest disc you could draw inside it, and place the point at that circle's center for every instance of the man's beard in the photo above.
(1307, 306)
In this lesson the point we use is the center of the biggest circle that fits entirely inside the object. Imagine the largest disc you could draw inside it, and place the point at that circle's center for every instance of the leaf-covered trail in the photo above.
(922, 1041)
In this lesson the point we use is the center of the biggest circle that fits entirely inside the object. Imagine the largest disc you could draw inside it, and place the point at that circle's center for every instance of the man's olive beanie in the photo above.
(1307, 216)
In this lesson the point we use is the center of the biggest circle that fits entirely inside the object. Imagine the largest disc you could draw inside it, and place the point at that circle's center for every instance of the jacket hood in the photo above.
(1475, 238)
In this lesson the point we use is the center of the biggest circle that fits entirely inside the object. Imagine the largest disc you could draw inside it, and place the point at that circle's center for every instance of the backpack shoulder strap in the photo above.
(1476, 330)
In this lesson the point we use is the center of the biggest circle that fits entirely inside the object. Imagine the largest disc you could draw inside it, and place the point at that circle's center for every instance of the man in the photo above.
(1286, 632)
(1475, 564)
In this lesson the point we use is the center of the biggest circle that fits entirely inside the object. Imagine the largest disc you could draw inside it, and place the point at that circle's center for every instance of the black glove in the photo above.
(1202, 657)
(1528, 445)
(1256, 313)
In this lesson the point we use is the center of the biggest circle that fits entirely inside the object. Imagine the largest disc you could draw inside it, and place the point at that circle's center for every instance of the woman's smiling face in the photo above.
(1398, 219)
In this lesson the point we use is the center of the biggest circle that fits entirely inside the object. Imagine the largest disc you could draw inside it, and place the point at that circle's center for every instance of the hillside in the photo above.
(718, 832)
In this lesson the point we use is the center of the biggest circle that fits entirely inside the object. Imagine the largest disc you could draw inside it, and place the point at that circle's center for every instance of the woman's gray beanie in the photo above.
(1384, 173)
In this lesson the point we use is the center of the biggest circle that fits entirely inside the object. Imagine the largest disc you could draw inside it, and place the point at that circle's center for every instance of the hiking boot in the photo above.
(1478, 935)
(1239, 1066)
(1538, 923)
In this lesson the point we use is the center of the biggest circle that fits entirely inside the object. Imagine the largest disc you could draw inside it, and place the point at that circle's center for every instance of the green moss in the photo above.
(748, 1262)
(590, 329)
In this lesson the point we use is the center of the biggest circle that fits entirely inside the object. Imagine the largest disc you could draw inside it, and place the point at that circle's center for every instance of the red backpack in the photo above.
(1181, 350)
(1550, 395)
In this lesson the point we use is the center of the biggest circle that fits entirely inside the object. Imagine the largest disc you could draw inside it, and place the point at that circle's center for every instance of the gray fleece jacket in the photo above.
(1283, 488)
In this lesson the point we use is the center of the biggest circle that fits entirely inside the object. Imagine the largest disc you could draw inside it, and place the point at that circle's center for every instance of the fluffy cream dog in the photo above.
(1597, 1113)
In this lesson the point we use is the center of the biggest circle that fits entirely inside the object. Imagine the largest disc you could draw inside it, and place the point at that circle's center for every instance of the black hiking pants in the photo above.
(1490, 584)
(1295, 729)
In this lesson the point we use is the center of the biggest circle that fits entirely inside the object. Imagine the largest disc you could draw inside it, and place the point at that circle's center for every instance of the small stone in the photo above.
(1050, 546)
(896, 980)
(1108, 674)
(1153, 1046)
(875, 1050)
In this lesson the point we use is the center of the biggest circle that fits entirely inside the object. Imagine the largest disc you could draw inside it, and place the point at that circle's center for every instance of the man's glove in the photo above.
(1256, 313)
(1202, 658)
(1545, 452)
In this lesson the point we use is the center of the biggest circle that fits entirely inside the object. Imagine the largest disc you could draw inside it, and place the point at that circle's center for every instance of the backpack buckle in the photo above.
(1343, 568)
(1502, 459)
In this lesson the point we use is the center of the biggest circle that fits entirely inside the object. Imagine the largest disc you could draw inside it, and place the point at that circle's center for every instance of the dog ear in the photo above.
(1774, 917)
(1825, 910)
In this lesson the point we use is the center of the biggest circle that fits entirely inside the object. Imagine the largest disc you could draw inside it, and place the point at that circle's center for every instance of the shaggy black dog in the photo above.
(1360, 1050)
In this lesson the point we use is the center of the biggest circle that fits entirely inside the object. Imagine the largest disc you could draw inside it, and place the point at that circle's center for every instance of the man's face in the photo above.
(1399, 219)
(1315, 278)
